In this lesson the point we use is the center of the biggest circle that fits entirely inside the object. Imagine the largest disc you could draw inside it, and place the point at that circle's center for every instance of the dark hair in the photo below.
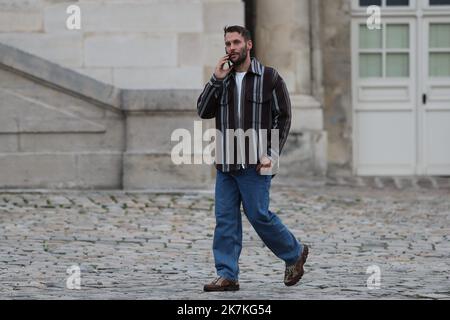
(241, 30)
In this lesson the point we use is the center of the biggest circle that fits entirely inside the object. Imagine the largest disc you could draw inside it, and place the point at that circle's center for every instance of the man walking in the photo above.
(247, 96)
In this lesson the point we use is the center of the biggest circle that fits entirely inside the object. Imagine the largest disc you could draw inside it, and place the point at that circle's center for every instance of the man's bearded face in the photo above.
(240, 58)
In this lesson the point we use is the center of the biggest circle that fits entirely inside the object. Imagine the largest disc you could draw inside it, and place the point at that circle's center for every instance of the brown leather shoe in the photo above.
(294, 272)
(221, 284)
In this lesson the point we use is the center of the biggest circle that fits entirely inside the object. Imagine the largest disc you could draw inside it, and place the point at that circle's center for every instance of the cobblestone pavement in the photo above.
(134, 245)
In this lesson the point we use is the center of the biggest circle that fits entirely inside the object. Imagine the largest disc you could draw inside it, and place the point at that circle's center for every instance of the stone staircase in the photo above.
(410, 183)
(400, 183)
(63, 129)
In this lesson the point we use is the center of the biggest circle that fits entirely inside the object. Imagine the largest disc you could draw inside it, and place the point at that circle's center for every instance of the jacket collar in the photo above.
(255, 67)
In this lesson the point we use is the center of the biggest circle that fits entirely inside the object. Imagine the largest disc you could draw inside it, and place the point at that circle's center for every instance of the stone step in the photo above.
(400, 183)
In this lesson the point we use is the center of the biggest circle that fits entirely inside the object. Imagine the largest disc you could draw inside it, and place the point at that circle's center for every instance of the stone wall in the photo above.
(147, 60)
(336, 55)
(98, 106)
(52, 139)
(144, 44)
(283, 40)
(62, 129)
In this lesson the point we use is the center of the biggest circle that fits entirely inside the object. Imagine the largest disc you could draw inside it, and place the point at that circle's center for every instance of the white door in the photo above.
(434, 111)
(401, 90)
(385, 97)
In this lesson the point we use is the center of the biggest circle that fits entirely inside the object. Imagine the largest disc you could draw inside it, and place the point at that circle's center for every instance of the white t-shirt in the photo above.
(239, 78)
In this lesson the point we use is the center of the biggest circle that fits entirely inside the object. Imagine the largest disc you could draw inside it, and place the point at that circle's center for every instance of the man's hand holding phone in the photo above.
(220, 71)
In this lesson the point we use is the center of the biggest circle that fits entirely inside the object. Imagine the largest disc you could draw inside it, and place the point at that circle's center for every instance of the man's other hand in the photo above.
(265, 167)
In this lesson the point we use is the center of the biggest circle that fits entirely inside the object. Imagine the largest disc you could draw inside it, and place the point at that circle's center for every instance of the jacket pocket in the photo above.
(261, 111)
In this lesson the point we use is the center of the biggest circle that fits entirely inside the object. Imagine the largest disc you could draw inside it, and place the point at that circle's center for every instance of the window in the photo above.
(439, 2)
(366, 3)
(384, 3)
(398, 3)
(439, 50)
(384, 52)
(397, 38)
(370, 57)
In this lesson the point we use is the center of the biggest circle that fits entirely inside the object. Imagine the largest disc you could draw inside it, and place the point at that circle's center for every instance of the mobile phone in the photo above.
(230, 64)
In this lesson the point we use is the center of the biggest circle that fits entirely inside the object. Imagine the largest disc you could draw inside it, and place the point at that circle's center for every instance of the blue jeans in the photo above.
(252, 189)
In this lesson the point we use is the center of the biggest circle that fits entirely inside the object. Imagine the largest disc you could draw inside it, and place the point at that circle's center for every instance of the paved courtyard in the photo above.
(156, 245)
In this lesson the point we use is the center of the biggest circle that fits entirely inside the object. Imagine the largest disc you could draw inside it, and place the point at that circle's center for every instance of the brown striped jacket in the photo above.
(265, 104)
